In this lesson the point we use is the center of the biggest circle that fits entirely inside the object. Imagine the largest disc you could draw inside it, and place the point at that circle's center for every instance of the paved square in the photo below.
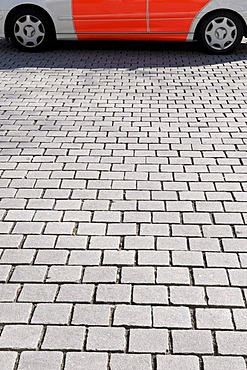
(123, 208)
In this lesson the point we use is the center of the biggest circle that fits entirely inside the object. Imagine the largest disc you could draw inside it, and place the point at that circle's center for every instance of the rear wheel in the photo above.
(31, 30)
(221, 32)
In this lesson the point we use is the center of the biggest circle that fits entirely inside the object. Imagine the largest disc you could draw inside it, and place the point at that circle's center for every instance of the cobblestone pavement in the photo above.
(123, 208)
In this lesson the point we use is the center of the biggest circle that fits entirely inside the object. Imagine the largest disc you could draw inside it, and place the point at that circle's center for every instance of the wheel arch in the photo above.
(27, 6)
(197, 29)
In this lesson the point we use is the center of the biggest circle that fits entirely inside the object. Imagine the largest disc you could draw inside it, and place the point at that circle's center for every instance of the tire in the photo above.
(221, 32)
(31, 30)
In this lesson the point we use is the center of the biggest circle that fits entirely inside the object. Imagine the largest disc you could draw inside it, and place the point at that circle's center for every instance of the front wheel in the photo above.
(31, 30)
(221, 32)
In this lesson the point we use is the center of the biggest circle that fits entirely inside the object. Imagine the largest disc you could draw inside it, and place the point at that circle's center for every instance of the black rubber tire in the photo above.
(47, 23)
(204, 24)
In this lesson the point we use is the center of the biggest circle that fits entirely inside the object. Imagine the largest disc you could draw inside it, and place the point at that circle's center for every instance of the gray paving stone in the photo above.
(240, 318)
(64, 338)
(100, 274)
(138, 275)
(223, 363)
(130, 361)
(173, 275)
(51, 257)
(8, 292)
(172, 317)
(29, 274)
(139, 242)
(192, 342)
(86, 360)
(150, 294)
(20, 336)
(86, 314)
(231, 343)
(75, 293)
(64, 274)
(40, 360)
(132, 316)
(71, 242)
(106, 339)
(52, 313)
(38, 293)
(228, 297)
(5, 272)
(7, 360)
(148, 340)
(173, 362)
(213, 318)
(17, 256)
(210, 276)
(113, 293)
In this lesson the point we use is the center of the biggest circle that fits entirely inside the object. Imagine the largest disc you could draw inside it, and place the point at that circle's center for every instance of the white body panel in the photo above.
(238, 6)
(59, 10)
(61, 14)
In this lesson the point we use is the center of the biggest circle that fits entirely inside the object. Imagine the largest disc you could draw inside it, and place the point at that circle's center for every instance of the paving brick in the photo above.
(64, 338)
(172, 317)
(238, 277)
(7, 360)
(64, 274)
(222, 260)
(173, 275)
(150, 294)
(171, 243)
(187, 258)
(50, 257)
(188, 295)
(224, 296)
(86, 314)
(231, 343)
(52, 313)
(40, 360)
(71, 242)
(89, 361)
(153, 258)
(29, 274)
(40, 241)
(192, 342)
(240, 318)
(148, 340)
(132, 316)
(104, 242)
(139, 242)
(20, 336)
(85, 258)
(8, 292)
(75, 293)
(114, 293)
(223, 363)
(173, 362)
(121, 258)
(210, 276)
(106, 339)
(138, 275)
(38, 293)
(130, 361)
(213, 318)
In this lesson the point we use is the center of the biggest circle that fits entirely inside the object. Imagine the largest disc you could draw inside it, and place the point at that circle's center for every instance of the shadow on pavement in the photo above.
(113, 54)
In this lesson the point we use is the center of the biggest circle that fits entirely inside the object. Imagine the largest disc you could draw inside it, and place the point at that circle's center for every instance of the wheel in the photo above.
(221, 32)
(31, 30)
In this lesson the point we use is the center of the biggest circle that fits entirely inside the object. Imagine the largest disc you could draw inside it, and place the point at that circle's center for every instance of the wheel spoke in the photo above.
(221, 33)
(29, 31)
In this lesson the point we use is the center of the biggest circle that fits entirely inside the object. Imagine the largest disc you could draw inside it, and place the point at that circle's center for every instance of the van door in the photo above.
(110, 16)
(173, 18)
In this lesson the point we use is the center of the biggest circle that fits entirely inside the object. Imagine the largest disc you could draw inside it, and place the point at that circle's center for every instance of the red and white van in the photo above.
(219, 25)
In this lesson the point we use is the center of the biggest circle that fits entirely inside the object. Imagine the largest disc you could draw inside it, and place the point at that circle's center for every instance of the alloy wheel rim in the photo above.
(29, 31)
(221, 33)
